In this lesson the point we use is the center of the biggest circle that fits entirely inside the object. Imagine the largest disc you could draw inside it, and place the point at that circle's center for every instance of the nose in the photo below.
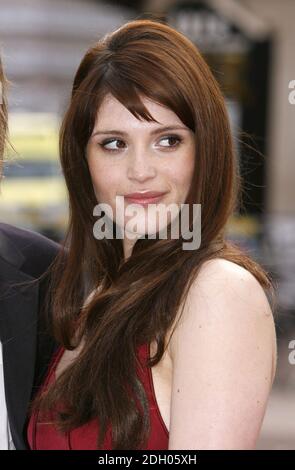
(140, 167)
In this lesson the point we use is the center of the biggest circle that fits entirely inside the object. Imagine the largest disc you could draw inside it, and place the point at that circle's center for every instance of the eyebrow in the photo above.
(153, 132)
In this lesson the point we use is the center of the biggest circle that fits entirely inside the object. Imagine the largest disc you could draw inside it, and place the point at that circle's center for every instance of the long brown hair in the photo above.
(140, 297)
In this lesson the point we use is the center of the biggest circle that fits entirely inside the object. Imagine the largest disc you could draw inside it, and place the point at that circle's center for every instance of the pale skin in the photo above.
(213, 384)
(224, 360)
(142, 160)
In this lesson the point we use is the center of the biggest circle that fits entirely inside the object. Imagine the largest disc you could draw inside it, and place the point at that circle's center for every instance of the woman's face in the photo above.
(126, 155)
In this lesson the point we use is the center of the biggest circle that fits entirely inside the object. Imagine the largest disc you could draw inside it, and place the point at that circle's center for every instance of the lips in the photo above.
(144, 194)
(147, 197)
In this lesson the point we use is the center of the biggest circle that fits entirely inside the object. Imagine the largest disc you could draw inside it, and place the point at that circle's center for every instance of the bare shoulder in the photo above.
(220, 283)
(228, 293)
(223, 352)
(221, 280)
(236, 279)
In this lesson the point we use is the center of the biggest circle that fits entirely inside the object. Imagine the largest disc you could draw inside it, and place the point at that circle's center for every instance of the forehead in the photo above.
(112, 112)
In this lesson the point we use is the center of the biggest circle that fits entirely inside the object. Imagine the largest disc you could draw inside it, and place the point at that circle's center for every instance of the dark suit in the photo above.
(27, 348)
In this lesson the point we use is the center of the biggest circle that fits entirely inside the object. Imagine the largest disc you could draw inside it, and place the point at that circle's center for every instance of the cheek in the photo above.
(105, 181)
(181, 176)
(187, 171)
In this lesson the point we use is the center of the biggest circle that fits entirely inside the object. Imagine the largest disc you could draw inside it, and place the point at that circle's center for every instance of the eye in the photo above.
(110, 141)
(174, 138)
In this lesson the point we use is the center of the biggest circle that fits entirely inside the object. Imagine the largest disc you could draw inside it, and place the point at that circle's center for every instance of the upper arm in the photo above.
(222, 354)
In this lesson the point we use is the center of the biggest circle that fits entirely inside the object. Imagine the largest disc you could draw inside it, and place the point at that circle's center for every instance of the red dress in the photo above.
(45, 436)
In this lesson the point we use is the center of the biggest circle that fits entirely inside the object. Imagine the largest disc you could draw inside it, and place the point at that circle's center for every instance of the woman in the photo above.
(146, 114)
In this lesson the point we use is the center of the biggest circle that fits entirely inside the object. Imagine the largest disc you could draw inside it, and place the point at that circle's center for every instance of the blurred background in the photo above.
(249, 45)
